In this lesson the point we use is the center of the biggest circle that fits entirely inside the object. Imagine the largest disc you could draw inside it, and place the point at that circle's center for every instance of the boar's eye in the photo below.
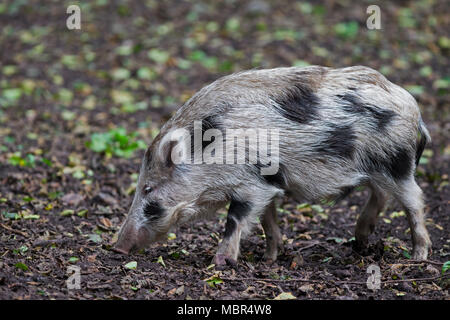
(147, 189)
(153, 210)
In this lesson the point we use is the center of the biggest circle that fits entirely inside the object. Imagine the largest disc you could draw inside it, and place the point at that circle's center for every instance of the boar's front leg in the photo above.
(237, 223)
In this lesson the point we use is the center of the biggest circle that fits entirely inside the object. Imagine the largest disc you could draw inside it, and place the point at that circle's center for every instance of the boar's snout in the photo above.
(131, 238)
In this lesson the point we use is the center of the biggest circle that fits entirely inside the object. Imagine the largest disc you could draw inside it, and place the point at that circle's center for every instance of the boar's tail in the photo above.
(424, 139)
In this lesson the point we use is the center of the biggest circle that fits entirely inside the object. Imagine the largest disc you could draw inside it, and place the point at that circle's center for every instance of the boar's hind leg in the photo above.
(272, 232)
(237, 223)
(366, 221)
(410, 196)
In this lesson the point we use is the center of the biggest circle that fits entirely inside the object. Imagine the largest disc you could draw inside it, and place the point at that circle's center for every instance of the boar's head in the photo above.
(168, 193)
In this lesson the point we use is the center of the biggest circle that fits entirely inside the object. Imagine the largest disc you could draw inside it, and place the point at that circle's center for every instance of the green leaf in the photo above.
(285, 296)
(406, 254)
(125, 50)
(159, 56)
(183, 63)
(161, 261)
(65, 96)
(214, 281)
(68, 115)
(120, 74)
(82, 213)
(21, 266)
(12, 94)
(95, 238)
(131, 265)
(115, 141)
(73, 259)
(78, 174)
(444, 42)
(415, 90)
(121, 97)
(9, 70)
(11, 216)
(98, 142)
(197, 55)
(146, 73)
(71, 61)
(171, 236)
(67, 212)
(31, 217)
(300, 63)
(336, 239)
(397, 214)
(445, 267)
(232, 25)
(346, 30)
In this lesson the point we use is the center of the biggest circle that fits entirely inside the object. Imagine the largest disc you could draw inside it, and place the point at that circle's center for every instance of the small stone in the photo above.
(106, 199)
(72, 199)
(432, 270)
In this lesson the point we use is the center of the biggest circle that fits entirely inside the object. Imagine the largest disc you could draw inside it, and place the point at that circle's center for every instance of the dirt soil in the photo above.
(61, 202)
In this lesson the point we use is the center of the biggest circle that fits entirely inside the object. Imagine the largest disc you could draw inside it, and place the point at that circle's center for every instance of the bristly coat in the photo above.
(338, 129)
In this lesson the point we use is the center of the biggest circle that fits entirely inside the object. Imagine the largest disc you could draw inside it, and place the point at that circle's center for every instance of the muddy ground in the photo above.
(133, 63)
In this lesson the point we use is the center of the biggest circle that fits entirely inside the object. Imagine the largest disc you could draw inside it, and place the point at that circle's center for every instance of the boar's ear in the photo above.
(175, 148)
(165, 153)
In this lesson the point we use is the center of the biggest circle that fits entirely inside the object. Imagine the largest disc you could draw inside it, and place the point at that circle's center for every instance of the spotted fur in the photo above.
(338, 129)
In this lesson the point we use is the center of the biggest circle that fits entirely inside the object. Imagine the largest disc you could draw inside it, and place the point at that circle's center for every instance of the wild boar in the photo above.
(333, 130)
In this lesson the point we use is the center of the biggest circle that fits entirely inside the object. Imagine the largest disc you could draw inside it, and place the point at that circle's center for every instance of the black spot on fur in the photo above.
(209, 122)
(299, 104)
(339, 142)
(398, 165)
(354, 105)
(277, 179)
(345, 192)
(230, 227)
(148, 157)
(421, 143)
(239, 209)
(153, 210)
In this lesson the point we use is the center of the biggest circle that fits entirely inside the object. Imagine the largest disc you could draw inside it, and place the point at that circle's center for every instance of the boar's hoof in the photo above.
(361, 248)
(119, 250)
(270, 257)
(221, 261)
(420, 253)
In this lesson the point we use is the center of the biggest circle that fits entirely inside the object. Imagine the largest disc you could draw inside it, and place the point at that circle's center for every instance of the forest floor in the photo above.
(67, 174)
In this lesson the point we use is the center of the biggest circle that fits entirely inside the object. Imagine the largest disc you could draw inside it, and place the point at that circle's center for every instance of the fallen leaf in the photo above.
(285, 296)
(131, 265)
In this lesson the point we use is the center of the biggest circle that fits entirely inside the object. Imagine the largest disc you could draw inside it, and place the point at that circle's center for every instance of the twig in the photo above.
(422, 261)
(309, 246)
(14, 230)
(418, 279)
(272, 280)
(336, 282)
